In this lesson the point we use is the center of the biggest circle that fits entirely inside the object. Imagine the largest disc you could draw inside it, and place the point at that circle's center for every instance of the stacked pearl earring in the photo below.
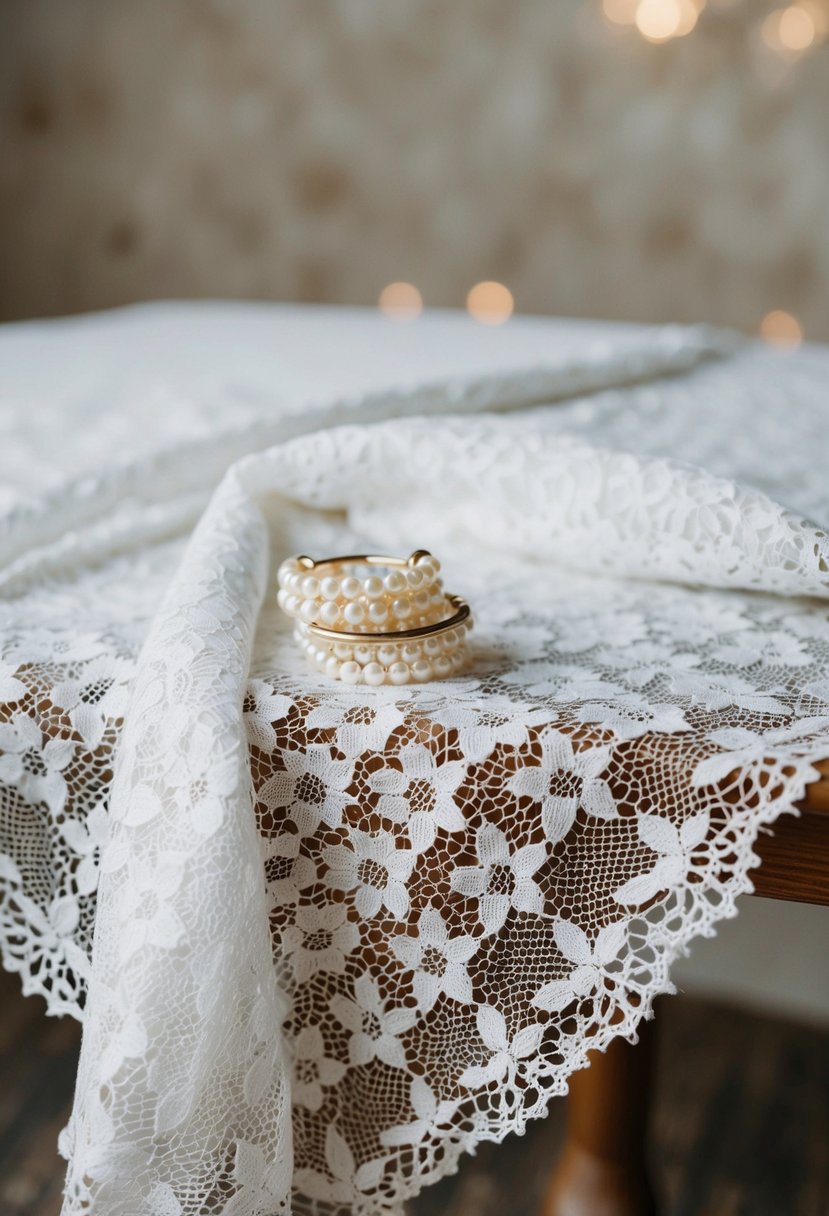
(375, 620)
(364, 594)
(410, 660)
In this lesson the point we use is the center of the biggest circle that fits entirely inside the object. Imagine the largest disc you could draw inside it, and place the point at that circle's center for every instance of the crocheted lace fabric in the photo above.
(326, 939)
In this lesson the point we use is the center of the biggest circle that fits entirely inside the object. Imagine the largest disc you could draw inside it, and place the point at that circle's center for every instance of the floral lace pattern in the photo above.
(343, 935)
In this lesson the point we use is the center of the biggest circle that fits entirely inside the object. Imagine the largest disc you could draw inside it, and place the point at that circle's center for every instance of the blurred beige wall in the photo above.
(318, 149)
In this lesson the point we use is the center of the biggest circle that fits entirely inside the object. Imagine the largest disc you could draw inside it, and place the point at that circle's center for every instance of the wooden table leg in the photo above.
(603, 1168)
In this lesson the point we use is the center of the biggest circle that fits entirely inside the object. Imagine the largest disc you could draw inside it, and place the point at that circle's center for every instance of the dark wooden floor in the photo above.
(741, 1122)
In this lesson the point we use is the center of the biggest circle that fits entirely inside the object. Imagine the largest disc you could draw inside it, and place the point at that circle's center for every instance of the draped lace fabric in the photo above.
(343, 935)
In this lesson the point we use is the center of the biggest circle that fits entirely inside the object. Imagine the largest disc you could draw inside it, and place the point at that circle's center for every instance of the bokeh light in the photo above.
(400, 302)
(620, 12)
(818, 10)
(490, 303)
(659, 20)
(793, 29)
(689, 15)
(780, 328)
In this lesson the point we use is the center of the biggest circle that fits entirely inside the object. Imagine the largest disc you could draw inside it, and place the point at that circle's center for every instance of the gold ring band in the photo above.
(460, 617)
(362, 559)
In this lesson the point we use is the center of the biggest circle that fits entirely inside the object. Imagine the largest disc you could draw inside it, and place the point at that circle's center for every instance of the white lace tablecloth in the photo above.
(343, 935)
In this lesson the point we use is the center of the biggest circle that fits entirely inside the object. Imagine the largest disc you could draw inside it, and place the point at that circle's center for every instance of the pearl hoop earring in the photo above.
(372, 619)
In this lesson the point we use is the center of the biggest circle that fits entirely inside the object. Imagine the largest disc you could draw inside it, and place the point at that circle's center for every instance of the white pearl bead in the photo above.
(351, 672)
(421, 670)
(432, 647)
(320, 659)
(421, 600)
(332, 667)
(343, 651)
(410, 653)
(395, 581)
(294, 582)
(292, 605)
(399, 673)
(330, 588)
(329, 612)
(378, 612)
(386, 654)
(308, 611)
(354, 613)
(373, 587)
(287, 567)
(373, 674)
(351, 587)
(457, 660)
(415, 578)
(401, 609)
(282, 598)
(363, 654)
(310, 587)
(442, 666)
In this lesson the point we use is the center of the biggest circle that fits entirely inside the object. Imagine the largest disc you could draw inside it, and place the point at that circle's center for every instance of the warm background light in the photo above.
(688, 15)
(659, 20)
(400, 302)
(490, 303)
(780, 328)
(818, 10)
(795, 28)
(620, 12)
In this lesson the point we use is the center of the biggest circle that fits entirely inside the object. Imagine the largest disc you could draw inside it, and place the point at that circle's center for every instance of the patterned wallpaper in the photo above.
(317, 149)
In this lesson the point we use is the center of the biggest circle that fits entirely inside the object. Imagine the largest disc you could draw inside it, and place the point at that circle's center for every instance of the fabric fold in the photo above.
(183, 1002)
(510, 486)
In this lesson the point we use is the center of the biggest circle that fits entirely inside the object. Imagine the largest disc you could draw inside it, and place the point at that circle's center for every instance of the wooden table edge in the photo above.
(794, 852)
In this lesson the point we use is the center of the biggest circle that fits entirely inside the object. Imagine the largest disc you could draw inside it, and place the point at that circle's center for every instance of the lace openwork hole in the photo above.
(566, 785)
(433, 962)
(501, 880)
(371, 1024)
(320, 939)
(421, 795)
(33, 763)
(306, 1071)
(371, 873)
(278, 868)
(91, 694)
(310, 790)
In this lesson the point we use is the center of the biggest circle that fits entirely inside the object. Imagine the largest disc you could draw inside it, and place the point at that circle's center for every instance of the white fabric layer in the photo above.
(343, 935)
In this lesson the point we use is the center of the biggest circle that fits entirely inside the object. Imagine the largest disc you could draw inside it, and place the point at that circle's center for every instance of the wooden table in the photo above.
(603, 1168)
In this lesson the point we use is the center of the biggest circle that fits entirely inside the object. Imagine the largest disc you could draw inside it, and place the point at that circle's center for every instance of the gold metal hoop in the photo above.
(461, 616)
(363, 559)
